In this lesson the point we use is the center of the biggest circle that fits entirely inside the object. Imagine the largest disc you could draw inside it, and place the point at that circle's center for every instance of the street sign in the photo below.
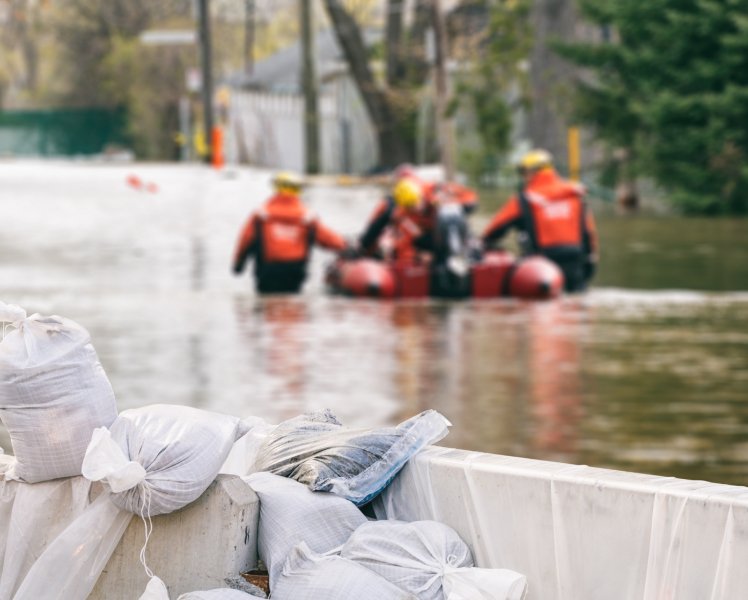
(168, 37)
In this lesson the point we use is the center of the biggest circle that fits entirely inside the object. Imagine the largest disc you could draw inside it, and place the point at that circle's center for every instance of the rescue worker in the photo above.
(280, 236)
(411, 211)
(440, 191)
(554, 218)
(409, 216)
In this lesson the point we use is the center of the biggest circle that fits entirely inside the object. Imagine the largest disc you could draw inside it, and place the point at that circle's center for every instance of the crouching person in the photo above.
(280, 236)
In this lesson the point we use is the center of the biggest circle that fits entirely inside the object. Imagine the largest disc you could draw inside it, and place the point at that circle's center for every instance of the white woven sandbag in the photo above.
(311, 576)
(159, 458)
(290, 512)
(217, 594)
(53, 394)
(484, 584)
(412, 556)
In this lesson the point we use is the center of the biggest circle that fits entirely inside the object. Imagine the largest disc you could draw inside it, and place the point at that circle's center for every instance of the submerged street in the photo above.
(650, 381)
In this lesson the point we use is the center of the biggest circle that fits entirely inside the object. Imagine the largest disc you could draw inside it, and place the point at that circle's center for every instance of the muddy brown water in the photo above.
(647, 372)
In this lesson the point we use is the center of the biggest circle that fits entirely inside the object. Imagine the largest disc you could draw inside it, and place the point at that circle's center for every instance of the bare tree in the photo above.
(394, 41)
(392, 145)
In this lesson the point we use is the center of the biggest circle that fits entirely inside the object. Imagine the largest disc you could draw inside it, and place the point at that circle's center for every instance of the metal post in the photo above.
(184, 128)
(444, 126)
(309, 84)
(249, 36)
(207, 75)
(572, 138)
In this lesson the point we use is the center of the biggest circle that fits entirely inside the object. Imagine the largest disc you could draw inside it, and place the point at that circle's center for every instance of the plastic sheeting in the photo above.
(355, 464)
(581, 533)
(31, 516)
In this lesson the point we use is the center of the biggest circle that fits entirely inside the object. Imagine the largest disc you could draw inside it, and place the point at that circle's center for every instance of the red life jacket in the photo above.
(556, 209)
(284, 230)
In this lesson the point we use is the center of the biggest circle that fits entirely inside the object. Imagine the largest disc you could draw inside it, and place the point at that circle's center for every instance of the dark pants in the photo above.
(573, 264)
(280, 278)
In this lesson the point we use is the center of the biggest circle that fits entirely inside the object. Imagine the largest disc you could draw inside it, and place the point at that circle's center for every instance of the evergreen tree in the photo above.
(671, 89)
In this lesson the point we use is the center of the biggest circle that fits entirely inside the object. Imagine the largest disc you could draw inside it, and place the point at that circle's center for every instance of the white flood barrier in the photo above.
(582, 533)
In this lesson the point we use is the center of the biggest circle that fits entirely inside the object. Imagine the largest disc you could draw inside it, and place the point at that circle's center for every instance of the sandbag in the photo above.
(311, 576)
(357, 464)
(159, 458)
(290, 512)
(53, 394)
(484, 584)
(412, 556)
(218, 594)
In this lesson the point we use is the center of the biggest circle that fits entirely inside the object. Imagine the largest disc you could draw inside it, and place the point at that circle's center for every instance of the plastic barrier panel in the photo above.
(582, 533)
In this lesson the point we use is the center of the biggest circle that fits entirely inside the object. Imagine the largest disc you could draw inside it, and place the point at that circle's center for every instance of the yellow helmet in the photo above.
(535, 160)
(407, 193)
(286, 180)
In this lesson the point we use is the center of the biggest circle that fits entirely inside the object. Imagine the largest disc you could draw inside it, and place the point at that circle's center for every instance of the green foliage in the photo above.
(672, 89)
(149, 81)
(498, 80)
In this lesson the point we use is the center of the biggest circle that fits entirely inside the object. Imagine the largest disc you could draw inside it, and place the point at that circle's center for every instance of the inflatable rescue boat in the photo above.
(498, 274)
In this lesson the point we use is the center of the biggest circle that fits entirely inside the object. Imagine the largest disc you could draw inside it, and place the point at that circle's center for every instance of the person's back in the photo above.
(280, 236)
(552, 213)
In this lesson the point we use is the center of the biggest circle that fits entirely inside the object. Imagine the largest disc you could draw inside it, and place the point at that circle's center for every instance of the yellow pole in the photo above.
(572, 137)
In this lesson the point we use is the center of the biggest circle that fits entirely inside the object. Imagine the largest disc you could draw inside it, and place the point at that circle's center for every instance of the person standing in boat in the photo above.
(280, 236)
(554, 219)
(440, 192)
(408, 217)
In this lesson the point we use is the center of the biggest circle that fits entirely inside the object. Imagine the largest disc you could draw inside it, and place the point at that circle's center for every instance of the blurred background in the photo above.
(136, 137)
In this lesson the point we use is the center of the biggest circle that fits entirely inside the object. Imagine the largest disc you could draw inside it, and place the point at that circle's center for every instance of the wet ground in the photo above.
(627, 376)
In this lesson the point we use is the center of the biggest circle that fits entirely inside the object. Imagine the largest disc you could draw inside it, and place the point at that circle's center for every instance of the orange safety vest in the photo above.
(551, 211)
(405, 225)
(283, 231)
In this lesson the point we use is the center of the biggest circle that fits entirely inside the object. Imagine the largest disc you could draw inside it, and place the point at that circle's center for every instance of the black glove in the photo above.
(350, 252)
(475, 249)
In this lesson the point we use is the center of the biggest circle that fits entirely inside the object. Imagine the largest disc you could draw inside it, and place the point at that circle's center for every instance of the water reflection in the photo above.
(273, 333)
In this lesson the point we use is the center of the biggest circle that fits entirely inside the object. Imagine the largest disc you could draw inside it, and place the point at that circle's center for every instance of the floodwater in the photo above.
(628, 376)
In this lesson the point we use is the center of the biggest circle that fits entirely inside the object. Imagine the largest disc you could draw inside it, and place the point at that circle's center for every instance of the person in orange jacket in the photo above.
(554, 218)
(409, 217)
(440, 192)
(411, 212)
(280, 236)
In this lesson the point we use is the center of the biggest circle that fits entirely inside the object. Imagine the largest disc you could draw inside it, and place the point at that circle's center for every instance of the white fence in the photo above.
(267, 130)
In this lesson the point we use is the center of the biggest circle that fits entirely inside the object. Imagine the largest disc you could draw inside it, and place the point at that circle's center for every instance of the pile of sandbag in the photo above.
(60, 412)
(316, 542)
(319, 545)
(152, 460)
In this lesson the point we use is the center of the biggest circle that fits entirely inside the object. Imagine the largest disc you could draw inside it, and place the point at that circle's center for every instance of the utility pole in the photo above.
(443, 123)
(207, 75)
(309, 85)
(249, 36)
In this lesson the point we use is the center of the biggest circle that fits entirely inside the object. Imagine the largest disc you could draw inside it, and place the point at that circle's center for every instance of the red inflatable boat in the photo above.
(499, 273)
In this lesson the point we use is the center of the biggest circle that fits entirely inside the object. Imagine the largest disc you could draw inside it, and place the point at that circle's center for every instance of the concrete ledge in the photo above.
(195, 548)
